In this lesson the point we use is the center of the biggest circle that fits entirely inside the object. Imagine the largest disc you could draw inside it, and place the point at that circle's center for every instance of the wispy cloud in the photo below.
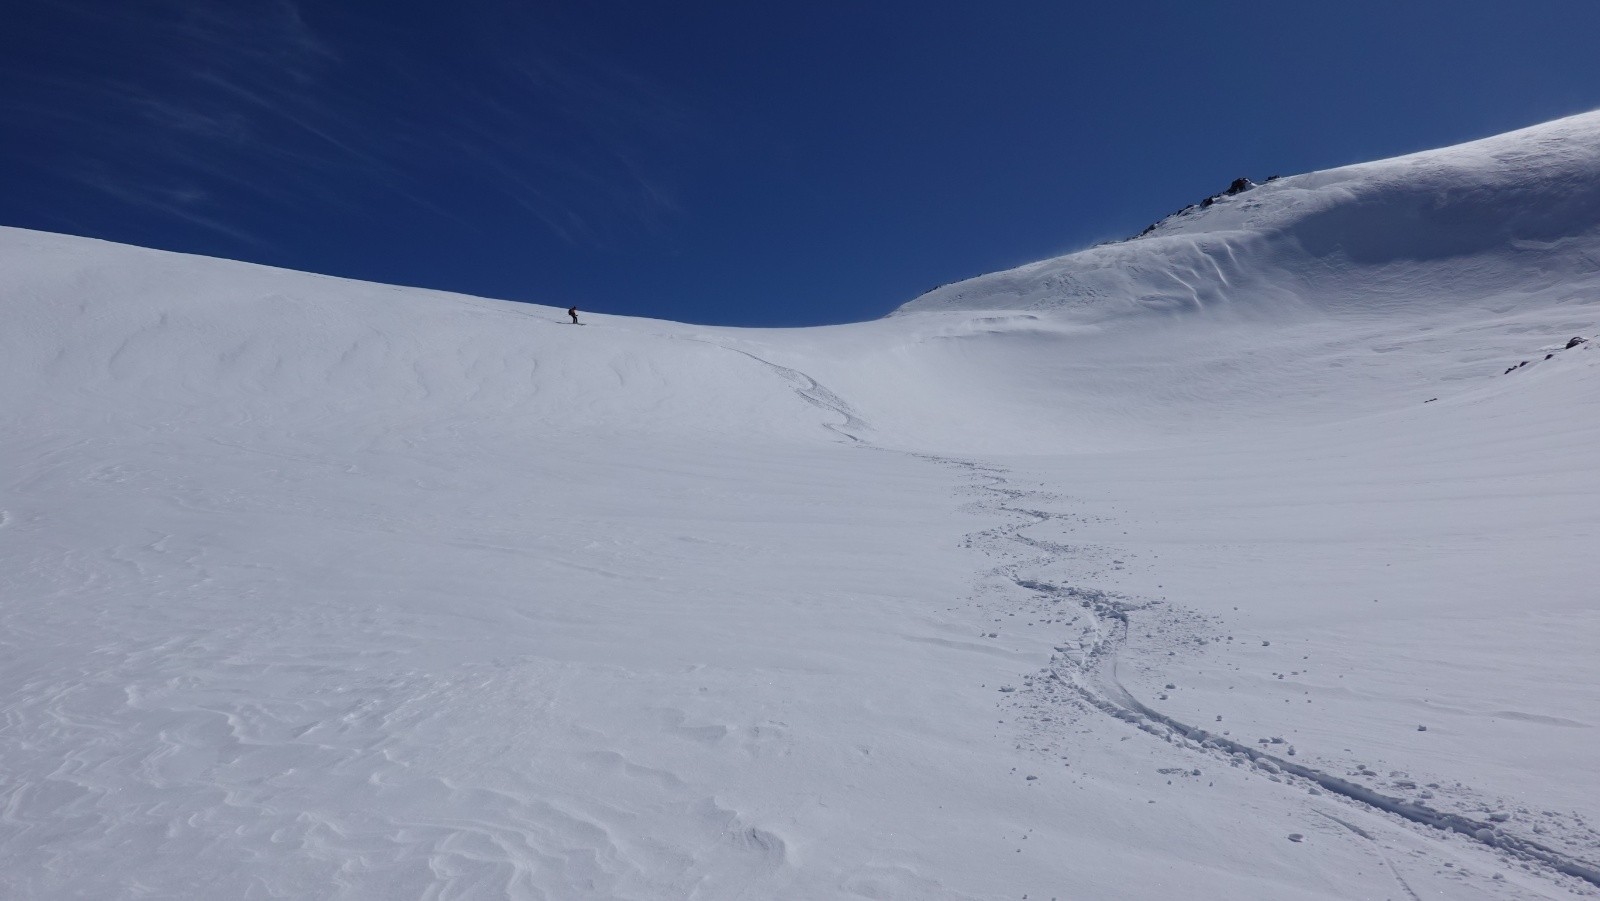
(182, 201)
(184, 109)
(115, 100)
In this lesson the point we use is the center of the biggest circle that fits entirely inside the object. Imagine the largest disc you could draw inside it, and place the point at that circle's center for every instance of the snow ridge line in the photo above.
(1093, 677)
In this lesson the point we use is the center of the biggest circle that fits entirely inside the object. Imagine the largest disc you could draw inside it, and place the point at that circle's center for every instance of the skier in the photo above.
(573, 312)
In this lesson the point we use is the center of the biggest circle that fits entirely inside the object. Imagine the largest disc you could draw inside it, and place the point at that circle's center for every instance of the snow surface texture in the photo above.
(1225, 562)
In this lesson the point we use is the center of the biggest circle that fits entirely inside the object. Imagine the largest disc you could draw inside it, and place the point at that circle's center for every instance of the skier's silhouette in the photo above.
(573, 312)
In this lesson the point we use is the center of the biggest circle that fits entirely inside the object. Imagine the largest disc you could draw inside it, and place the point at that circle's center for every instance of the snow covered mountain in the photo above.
(1510, 213)
(1251, 558)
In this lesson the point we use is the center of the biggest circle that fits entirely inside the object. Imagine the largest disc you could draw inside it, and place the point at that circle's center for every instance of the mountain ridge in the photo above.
(1534, 192)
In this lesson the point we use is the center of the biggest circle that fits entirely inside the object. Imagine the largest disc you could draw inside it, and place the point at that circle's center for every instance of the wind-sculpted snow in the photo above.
(1520, 210)
(312, 588)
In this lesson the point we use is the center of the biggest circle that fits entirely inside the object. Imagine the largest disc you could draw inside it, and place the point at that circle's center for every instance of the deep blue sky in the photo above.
(737, 163)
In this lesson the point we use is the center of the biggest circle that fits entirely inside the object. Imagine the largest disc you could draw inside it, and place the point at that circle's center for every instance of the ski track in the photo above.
(1089, 672)
(1388, 864)
(811, 391)
(196, 706)
(1092, 676)
(478, 838)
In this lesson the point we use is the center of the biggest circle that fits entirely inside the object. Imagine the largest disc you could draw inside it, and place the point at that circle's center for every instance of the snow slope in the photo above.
(316, 588)
(1451, 228)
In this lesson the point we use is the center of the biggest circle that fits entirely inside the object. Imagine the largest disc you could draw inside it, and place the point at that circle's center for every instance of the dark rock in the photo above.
(1239, 186)
(1575, 342)
(1548, 356)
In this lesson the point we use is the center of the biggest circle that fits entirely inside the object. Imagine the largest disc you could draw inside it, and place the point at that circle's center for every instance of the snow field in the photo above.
(315, 588)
